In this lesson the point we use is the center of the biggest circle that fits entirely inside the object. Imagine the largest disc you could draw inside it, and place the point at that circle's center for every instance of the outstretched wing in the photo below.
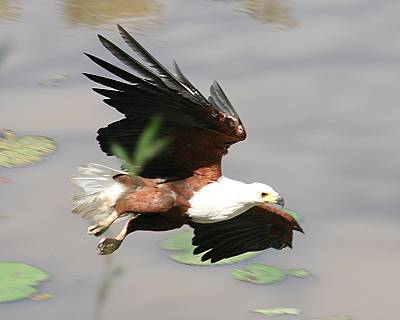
(259, 228)
(201, 130)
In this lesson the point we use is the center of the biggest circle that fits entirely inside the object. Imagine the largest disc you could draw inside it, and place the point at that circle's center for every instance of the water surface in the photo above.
(316, 85)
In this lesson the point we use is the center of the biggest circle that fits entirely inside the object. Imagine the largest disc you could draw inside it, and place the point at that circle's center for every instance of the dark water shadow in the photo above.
(278, 12)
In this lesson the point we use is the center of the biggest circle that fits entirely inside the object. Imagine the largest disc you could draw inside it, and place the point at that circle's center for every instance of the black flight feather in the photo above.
(182, 78)
(163, 73)
(118, 85)
(129, 61)
(127, 76)
(219, 98)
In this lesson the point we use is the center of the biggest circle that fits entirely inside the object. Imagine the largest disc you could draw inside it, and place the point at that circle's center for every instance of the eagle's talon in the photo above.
(96, 230)
(107, 246)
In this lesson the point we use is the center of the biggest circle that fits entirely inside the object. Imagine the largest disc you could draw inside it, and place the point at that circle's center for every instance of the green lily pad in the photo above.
(294, 214)
(189, 258)
(178, 241)
(259, 274)
(21, 151)
(41, 297)
(298, 273)
(278, 311)
(19, 280)
(343, 317)
(182, 241)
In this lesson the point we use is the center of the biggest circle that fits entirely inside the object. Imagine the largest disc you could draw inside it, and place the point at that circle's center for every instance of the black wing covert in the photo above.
(259, 228)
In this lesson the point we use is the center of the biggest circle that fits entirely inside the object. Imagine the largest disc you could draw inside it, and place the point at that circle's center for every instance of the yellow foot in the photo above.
(108, 246)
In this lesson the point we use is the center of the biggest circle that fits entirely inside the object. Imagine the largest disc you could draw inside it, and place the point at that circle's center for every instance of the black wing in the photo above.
(259, 228)
(188, 117)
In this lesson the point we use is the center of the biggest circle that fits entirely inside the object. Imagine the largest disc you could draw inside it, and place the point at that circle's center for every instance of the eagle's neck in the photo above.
(221, 200)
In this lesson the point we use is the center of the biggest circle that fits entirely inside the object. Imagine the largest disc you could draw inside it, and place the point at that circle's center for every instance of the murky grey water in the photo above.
(316, 85)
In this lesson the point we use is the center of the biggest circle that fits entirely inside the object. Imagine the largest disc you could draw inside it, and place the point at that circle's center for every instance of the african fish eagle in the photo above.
(183, 184)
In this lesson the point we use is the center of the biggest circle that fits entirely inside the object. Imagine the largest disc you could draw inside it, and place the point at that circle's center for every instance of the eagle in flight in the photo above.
(183, 184)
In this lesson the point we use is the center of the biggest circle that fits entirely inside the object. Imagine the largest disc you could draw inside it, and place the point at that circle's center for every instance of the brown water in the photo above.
(316, 85)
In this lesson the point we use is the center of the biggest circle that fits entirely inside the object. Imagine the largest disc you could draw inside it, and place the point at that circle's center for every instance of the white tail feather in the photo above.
(100, 191)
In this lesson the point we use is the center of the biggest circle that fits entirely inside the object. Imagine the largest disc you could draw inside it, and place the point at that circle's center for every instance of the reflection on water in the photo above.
(320, 106)
(3, 53)
(135, 13)
(9, 10)
(140, 13)
(268, 11)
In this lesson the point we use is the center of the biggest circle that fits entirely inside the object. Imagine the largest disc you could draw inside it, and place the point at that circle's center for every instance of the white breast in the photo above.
(220, 200)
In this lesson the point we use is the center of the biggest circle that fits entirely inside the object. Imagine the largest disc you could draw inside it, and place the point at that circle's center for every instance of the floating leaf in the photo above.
(41, 297)
(343, 317)
(189, 258)
(56, 80)
(299, 273)
(18, 280)
(20, 151)
(178, 241)
(294, 214)
(183, 241)
(259, 273)
(278, 311)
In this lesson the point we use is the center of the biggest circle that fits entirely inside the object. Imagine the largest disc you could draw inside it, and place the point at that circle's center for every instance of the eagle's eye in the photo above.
(264, 194)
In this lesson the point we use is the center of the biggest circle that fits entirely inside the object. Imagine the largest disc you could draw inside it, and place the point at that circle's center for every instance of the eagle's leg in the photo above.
(144, 222)
(109, 245)
(100, 227)
(147, 200)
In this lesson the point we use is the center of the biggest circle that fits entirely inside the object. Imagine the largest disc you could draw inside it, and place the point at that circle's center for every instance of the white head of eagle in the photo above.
(227, 198)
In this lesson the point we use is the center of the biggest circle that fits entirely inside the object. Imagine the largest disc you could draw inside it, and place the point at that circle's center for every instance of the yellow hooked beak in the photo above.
(273, 197)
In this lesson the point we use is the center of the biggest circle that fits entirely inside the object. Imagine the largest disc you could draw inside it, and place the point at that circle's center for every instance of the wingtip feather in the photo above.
(121, 29)
(90, 56)
(87, 75)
